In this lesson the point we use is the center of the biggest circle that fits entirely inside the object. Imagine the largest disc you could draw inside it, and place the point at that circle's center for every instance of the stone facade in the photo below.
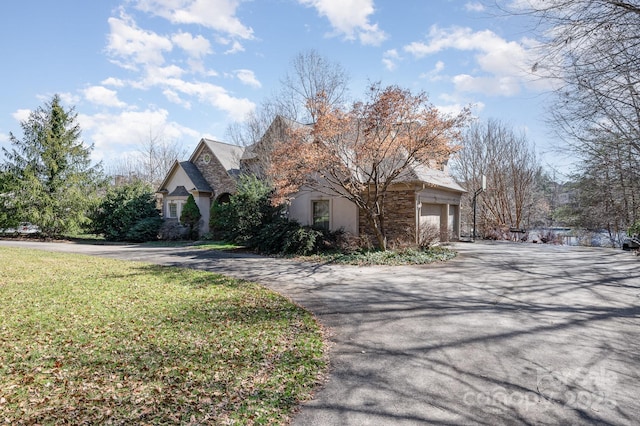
(214, 173)
(400, 224)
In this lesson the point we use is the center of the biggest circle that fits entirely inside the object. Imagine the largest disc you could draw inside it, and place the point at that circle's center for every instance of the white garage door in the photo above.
(430, 215)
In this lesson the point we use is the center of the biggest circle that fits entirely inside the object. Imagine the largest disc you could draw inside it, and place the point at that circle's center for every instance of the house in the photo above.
(423, 199)
(425, 202)
(209, 175)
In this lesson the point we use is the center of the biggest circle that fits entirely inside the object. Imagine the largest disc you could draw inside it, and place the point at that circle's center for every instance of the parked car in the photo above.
(24, 228)
(631, 243)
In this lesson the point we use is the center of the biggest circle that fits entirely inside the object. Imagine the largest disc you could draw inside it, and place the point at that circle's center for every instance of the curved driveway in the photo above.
(503, 334)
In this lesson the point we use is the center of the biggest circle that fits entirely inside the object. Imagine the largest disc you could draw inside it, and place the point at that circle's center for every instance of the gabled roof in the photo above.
(180, 191)
(199, 182)
(227, 154)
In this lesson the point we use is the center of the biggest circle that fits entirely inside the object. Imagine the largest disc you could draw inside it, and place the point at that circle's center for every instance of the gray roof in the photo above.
(180, 191)
(436, 177)
(229, 155)
(199, 182)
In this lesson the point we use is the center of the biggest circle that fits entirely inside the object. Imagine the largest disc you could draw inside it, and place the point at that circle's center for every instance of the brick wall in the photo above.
(400, 208)
(215, 174)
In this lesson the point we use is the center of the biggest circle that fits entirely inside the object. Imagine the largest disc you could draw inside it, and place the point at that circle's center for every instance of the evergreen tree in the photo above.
(8, 216)
(191, 216)
(53, 182)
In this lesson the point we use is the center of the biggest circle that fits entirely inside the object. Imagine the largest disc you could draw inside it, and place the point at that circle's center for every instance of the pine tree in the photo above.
(50, 170)
(191, 216)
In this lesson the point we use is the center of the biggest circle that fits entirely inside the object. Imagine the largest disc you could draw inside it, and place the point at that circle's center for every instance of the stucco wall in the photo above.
(204, 204)
(179, 178)
(344, 214)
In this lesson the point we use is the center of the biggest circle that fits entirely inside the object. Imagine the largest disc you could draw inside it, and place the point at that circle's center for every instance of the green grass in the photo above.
(86, 340)
(217, 245)
(389, 257)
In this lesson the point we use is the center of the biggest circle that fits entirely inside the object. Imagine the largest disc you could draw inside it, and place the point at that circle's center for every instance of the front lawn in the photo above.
(85, 340)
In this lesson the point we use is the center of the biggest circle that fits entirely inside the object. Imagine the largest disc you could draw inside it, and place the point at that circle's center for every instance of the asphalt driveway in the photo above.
(503, 334)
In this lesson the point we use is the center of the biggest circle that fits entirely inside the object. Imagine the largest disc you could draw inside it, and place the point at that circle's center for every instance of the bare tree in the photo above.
(592, 49)
(510, 165)
(311, 77)
(151, 162)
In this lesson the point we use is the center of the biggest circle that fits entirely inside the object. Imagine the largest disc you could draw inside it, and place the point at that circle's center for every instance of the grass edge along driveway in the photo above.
(92, 340)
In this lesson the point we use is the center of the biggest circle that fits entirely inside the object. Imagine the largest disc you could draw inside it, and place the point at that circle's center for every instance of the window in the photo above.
(320, 214)
(173, 210)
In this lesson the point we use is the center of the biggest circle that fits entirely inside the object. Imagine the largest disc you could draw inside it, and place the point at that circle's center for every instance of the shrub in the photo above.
(121, 208)
(146, 229)
(248, 210)
(288, 237)
(191, 216)
(221, 222)
(172, 230)
(634, 229)
(429, 235)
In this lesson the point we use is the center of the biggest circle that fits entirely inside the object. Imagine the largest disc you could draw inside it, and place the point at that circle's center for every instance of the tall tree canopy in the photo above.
(592, 50)
(359, 153)
(49, 172)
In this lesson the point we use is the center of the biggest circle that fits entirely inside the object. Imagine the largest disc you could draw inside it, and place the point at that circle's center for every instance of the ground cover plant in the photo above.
(86, 340)
(411, 256)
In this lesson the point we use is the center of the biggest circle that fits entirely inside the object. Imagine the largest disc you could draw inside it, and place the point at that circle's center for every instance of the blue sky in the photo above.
(186, 69)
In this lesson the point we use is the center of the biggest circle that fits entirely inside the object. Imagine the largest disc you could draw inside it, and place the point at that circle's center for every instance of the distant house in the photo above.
(425, 197)
(209, 175)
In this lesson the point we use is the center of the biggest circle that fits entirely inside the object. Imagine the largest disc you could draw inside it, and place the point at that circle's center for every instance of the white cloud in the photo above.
(4, 138)
(175, 98)
(505, 86)
(436, 73)
(112, 81)
(350, 18)
(157, 76)
(135, 45)
(504, 65)
(146, 53)
(219, 15)
(113, 134)
(100, 95)
(21, 115)
(390, 59)
(474, 7)
(248, 77)
(196, 47)
(236, 47)
(217, 96)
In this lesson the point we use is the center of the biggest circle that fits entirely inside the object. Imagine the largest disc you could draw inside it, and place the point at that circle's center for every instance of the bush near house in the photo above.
(250, 219)
(127, 213)
(191, 216)
(247, 211)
